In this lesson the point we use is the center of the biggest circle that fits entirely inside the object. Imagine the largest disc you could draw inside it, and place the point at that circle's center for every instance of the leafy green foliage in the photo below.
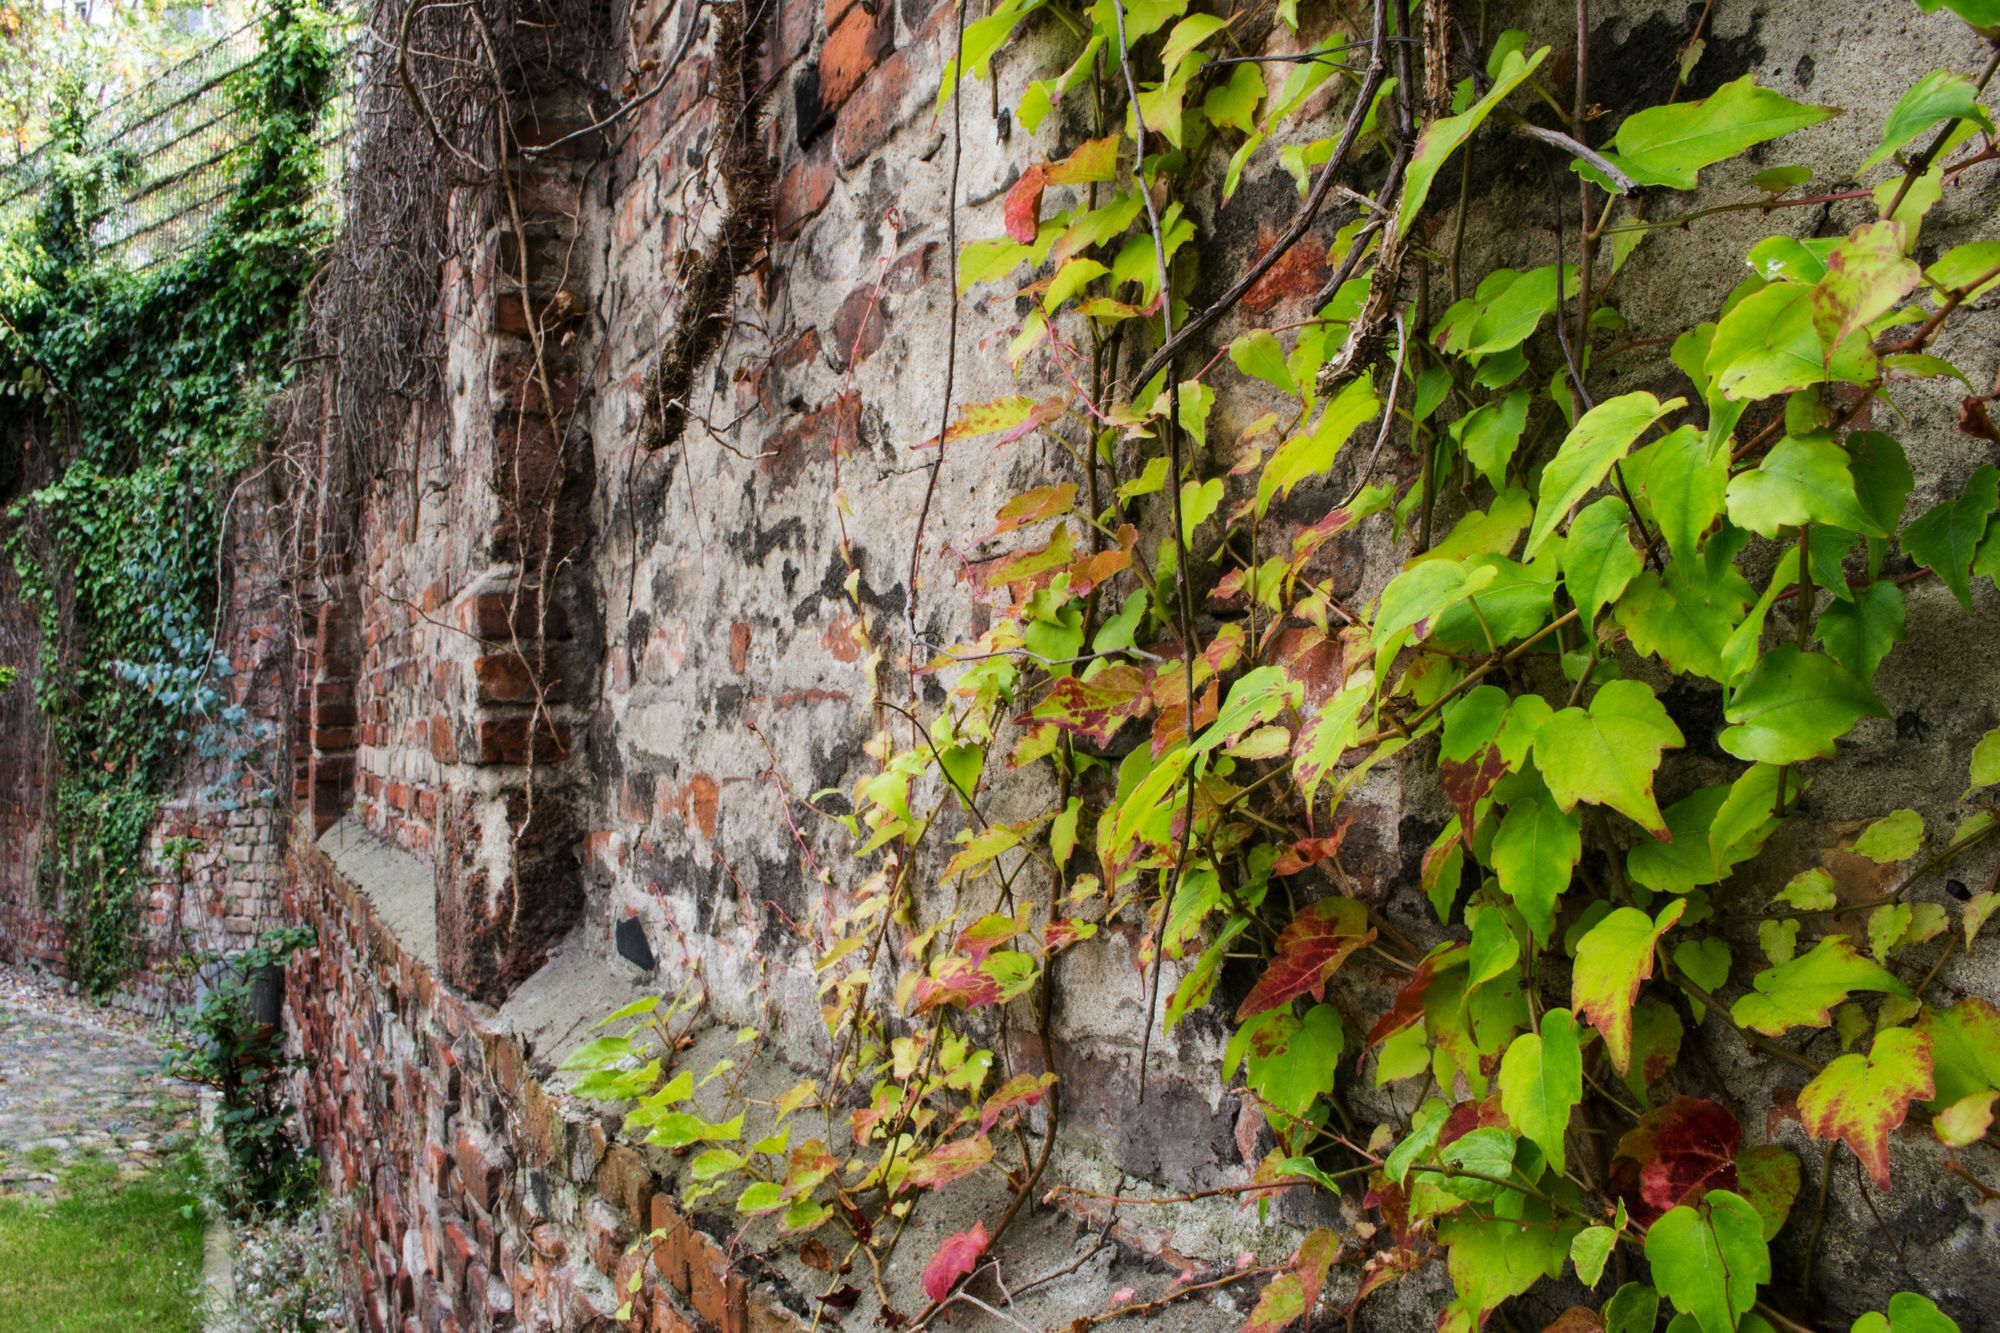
(149, 383)
(1631, 627)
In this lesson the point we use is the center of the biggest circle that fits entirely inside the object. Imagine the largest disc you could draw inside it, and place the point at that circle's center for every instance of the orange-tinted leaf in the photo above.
(951, 1161)
(955, 1258)
(1096, 708)
(1093, 160)
(1022, 212)
(1859, 1099)
(1310, 949)
(1035, 505)
(958, 983)
(1016, 1094)
(1612, 959)
(1308, 852)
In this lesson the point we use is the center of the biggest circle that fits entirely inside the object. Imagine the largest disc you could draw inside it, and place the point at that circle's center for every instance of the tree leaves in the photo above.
(1802, 993)
(1859, 1099)
(1608, 755)
(1541, 1081)
(1612, 959)
(1588, 453)
(1793, 706)
(1669, 145)
(1310, 949)
(1710, 1259)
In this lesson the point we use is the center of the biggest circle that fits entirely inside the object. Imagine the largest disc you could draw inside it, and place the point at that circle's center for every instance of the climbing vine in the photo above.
(141, 391)
(1628, 630)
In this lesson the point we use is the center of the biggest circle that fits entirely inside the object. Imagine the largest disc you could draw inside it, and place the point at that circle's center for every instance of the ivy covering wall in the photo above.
(132, 399)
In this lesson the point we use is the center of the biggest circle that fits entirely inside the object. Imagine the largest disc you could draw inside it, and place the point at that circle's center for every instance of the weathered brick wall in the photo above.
(476, 1196)
(214, 854)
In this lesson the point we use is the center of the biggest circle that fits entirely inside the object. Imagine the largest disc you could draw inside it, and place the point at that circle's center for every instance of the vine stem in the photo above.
(951, 329)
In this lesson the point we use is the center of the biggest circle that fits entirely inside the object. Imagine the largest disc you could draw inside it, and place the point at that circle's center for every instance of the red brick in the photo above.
(859, 325)
(509, 678)
(803, 191)
(504, 740)
(877, 110)
(739, 646)
(482, 1167)
(853, 48)
(605, 1235)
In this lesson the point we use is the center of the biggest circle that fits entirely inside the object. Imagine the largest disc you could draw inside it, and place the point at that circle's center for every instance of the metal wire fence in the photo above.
(171, 147)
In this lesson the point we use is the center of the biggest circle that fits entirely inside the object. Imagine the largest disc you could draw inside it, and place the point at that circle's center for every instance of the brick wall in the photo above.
(477, 1197)
(214, 854)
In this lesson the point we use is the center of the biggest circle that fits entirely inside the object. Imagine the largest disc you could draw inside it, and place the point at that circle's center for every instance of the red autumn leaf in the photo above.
(1675, 1155)
(1409, 1006)
(1859, 1099)
(1318, 940)
(1467, 782)
(956, 982)
(1023, 209)
(1308, 852)
(954, 1259)
(1017, 1093)
(951, 1161)
(1316, 1255)
(1095, 708)
(1468, 1116)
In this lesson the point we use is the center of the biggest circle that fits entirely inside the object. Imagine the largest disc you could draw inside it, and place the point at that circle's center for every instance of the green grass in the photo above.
(107, 1254)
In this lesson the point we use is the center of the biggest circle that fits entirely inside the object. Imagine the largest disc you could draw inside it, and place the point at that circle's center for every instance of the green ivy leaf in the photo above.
(1490, 433)
(1589, 1252)
(1803, 992)
(1534, 852)
(1858, 634)
(1684, 481)
(1909, 1312)
(1598, 558)
(1937, 97)
(1711, 1259)
(1768, 345)
(1669, 145)
(1612, 959)
(1634, 1309)
(1793, 706)
(1894, 837)
(1312, 453)
(1804, 479)
(1541, 1081)
(1588, 453)
(1608, 754)
(1419, 593)
(1442, 137)
(1493, 1260)
(1945, 539)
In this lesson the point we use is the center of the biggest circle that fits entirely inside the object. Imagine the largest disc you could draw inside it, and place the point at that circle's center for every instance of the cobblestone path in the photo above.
(74, 1082)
